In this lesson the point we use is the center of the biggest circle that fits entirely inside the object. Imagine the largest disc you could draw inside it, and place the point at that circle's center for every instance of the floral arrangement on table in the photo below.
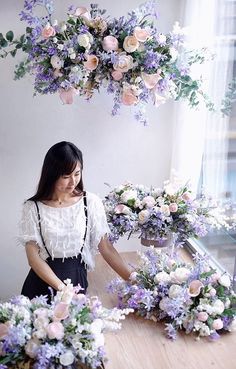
(65, 333)
(194, 298)
(158, 213)
(128, 56)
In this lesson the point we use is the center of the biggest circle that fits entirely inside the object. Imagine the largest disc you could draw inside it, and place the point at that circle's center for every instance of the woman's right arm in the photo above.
(40, 267)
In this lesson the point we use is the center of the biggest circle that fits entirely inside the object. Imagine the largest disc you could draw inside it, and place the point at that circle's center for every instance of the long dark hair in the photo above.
(61, 159)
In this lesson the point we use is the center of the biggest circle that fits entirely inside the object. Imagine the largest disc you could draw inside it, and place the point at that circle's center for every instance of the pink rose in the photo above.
(55, 330)
(67, 96)
(117, 75)
(110, 43)
(202, 316)
(82, 12)
(141, 34)
(91, 63)
(217, 324)
(57, 73)
(124, 63)
(195, 288)
(3, 330)
(130, 44)
(148, 201)
(186, 196)
(173, 207)
(61, 311)
(128, 97)
(122, 209)
(48, 31)
(150, 80)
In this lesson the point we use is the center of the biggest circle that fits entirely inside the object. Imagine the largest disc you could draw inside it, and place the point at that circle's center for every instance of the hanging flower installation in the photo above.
(128, 56)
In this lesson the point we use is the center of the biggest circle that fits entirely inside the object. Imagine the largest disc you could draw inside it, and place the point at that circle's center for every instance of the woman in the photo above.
(62, 226)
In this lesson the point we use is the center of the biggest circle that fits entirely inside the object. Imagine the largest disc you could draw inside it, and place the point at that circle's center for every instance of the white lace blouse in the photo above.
(63, 228)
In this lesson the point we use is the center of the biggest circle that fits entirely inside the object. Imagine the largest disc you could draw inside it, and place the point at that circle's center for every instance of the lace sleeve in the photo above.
(28, 225)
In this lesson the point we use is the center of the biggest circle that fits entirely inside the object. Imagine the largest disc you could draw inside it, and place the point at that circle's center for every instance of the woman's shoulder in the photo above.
(92, 196)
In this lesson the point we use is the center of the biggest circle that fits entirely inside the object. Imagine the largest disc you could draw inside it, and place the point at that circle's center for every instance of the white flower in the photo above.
(56, 62)
(162, 277)
(84, 40)
(55, 23)
(63, 27)
(180, 275)
(72, 56)
(218, 307)
(165, 210)
(60, 46)
(224, 280)
(173, 53)
(163, 303)
(128, 195)
(143, 216)
(55, 40)
(174, 291)
(67, 358)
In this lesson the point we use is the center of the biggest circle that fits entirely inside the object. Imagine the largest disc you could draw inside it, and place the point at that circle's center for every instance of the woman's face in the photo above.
(68, 182)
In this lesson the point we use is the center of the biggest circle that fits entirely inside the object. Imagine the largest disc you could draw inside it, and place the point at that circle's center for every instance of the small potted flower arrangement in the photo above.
(194, 298)
(65, 333)
(156, 214)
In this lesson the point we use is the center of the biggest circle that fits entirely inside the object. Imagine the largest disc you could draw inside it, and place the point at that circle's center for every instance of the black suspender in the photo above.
(86, 223)
(40, 228)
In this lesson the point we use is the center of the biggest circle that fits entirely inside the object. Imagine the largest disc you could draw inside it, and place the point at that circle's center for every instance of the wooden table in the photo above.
(141, 344)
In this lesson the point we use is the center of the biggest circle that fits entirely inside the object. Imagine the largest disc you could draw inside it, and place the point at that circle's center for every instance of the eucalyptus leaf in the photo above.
(10, 36)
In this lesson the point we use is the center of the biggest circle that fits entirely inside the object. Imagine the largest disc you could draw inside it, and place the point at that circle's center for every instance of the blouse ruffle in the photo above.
(63, 229)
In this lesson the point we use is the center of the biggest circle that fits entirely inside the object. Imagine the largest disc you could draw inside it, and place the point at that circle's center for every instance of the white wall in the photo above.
(115, 149)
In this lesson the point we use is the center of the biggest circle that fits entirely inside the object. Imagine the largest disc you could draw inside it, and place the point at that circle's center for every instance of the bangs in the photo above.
(68, 166)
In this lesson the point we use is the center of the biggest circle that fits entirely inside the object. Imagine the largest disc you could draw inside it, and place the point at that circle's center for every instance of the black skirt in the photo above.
(72, 268)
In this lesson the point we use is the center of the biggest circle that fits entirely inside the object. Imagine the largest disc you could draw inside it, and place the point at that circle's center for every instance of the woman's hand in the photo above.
(113, 258)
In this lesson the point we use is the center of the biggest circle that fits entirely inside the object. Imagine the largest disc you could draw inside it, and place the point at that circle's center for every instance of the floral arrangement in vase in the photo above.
(193, 298)
(158, 213)
(88, 50)
(65, 333)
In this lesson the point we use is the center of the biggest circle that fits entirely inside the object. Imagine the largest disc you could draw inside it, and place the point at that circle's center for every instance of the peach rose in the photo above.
(48, 31)
(130, 44)
(67, 96)
(150, 80)
(32, 347)
(61, 311)
(82, 12)
(173, 207)
(186, 196)
(55, 330)
(91, 63)
(57, 73)
(141, 34)
(195, 288)
(110, 43)
(117, 75)
(3, 330)
(124, 63)
(128, 97)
